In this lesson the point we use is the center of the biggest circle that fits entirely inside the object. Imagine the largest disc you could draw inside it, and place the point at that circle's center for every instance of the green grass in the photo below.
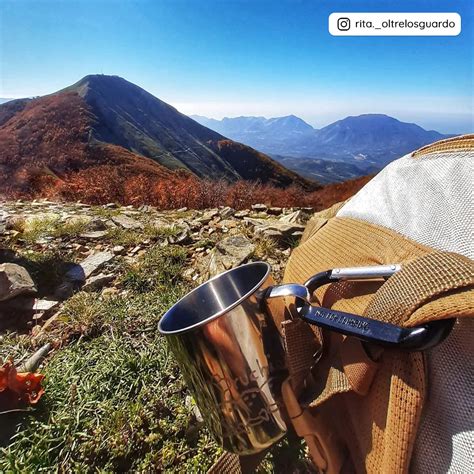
(104, 212)
(125, 237)
(46, 268)
(114, 397)
(49, 226)
(154, 273)
(265, 247)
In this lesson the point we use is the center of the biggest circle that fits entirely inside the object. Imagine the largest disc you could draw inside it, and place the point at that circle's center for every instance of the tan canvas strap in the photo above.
(323, 448)
(455, 144)
(230, 463)
(301, 346)
(351, 369)
(420, 280)
(227, 463)
(346, 367)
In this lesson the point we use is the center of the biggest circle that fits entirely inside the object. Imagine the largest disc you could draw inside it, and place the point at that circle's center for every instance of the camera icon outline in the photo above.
(343, 23)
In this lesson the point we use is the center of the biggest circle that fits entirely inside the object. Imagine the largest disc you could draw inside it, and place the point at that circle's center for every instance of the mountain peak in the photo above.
(107, 120)
(91, 78)
(292, 121)
(102, 81)
(370, 117)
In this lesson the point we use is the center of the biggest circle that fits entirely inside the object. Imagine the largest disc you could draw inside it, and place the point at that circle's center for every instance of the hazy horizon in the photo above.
(316, 122)
(236, 57)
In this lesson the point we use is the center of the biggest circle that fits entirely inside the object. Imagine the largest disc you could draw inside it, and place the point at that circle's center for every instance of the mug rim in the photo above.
(222, 311)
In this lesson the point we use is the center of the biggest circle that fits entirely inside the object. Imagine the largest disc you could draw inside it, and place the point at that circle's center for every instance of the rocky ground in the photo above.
(92, 239)
(94, 280)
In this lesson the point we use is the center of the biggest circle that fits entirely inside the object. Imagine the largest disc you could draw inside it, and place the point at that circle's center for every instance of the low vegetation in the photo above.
(114, 398)
(104, 183)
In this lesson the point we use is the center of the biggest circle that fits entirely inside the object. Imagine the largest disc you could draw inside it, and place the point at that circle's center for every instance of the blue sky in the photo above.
(252, 57)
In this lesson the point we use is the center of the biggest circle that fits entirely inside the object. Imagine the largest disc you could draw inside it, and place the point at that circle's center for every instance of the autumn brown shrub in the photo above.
(126, 185)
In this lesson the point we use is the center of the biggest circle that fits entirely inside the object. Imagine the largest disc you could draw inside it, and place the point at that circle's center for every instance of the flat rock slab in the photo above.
(229, 253)
(297, 217)
(208, 216)
(127, 222)
(98, 234)
(98, 281)
(14, 281)
(44, 305)
(282, 227)
(226, 212)
(85, 269)
(261, 226)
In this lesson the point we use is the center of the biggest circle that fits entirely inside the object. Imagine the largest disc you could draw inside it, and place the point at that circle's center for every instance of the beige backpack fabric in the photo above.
(363, 409)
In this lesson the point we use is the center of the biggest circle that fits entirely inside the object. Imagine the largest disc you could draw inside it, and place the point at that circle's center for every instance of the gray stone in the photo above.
(297, 217)
(259, 207)
(208, 216)
(252, 222)
(241, 214)
(287, 229)
(14, 281)
(135, 250)
(98, 281)
(272, 234)
(118, 249)
(17, 222)
(95, 225)
(275, 211)
(87, 267)
(226, 212)
(183, 237)
(99, 234)
(229, 253)
(127, 222)
(297, 235)
(44, 305)
(279, 232)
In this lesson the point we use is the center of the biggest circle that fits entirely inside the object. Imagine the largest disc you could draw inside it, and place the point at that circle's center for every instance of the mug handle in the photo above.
(418, 338)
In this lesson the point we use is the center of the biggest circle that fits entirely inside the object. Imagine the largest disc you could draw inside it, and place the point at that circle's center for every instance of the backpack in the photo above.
(361, 408)
(373, 410)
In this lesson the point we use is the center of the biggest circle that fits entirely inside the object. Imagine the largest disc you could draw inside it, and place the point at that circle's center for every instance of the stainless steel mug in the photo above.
(225, 336)
(229, 352)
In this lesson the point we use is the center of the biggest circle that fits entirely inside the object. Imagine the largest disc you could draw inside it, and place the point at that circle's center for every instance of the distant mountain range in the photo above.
(353, 146)
(108, 120)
